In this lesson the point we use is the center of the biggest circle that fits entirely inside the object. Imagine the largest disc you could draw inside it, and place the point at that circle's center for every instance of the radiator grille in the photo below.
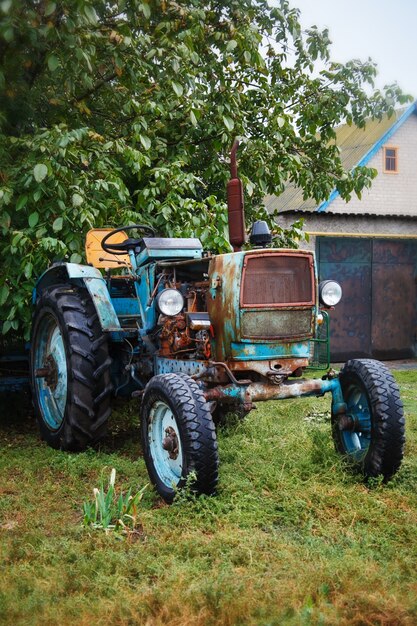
(277, 324)
(277, 280)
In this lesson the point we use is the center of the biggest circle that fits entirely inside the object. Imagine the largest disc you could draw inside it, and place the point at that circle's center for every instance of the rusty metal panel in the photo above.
(274, 324)
(344, 250)
(225, 311)
(350, 320)
(377, 316)
(348, 261)
(394, 252)
(394, 299)
(277, 279)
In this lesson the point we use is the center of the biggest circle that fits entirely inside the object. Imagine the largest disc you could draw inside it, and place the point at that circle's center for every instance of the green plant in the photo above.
(187, 493)
(111, 512)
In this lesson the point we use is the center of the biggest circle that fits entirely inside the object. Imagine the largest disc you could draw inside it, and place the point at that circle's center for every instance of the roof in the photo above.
(357, 145)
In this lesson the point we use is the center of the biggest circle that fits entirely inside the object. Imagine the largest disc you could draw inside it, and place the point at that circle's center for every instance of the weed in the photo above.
(187, 492)
(374, 482)
(111, 512)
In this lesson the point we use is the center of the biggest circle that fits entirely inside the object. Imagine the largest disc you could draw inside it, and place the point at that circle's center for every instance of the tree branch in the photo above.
(95, 88)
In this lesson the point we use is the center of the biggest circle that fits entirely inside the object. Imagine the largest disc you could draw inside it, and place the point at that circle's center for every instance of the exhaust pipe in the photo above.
(235, 205)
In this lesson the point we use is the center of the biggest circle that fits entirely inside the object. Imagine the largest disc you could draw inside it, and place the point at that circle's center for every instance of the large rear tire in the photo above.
(70, 369)
(372, 436)
(178, 436)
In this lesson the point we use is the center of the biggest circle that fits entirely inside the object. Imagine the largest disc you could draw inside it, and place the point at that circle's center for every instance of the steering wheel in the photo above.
(127, 244)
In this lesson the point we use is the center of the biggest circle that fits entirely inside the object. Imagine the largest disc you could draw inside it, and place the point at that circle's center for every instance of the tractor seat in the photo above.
(97, 257)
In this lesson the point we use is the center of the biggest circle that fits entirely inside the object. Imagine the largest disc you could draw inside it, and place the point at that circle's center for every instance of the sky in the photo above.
(384, 30)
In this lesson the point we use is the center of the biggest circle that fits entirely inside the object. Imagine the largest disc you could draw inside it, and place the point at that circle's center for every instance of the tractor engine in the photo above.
(185, 334)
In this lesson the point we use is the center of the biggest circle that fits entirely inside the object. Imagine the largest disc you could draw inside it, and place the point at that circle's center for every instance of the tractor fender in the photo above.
(89, 277)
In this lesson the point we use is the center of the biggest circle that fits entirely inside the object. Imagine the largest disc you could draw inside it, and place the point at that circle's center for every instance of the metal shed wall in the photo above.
(377, 316)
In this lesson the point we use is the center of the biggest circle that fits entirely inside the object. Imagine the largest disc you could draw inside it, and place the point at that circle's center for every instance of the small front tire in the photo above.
(372, 436)
(178, 436)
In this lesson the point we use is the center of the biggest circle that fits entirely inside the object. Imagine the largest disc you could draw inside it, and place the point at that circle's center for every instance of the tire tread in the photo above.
(388, 423)
(89, 382)
(186, 397)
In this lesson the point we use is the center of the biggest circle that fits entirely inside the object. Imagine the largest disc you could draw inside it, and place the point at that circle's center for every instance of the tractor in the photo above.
(195, 336)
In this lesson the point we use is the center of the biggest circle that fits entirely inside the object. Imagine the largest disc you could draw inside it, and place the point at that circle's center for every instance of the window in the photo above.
(390, 160)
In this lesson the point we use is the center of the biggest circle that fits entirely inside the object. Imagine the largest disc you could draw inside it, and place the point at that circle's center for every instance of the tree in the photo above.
(116, 111)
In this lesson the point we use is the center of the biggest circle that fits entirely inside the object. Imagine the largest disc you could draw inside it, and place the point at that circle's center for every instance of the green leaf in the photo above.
(149, 55)
(8, 34)
(40, 171)
(58, 224)
(6, 327)
(6, 5)
(76, 258)
(77, 200)
(145, 141)
(21, 202)
(53, 62)
(281, 122)
(33, 219)
(90, 14)
(146, 10)
(87, 60)
(228, 122)
(178, 88)
(50, 8)
(4, 294)
(231, 45)
(28, 270)
(166, 212)
(18, 236)
(193, 118)
(5, 220)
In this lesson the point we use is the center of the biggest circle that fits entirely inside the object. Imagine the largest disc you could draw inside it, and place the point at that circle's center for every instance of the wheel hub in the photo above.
(49, 372)
(170, 443)
(350, 423)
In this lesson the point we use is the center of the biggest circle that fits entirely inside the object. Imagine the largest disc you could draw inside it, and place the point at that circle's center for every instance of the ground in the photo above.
(293, 537)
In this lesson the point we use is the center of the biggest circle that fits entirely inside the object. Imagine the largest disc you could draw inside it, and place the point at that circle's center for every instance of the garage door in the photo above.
(377, 316)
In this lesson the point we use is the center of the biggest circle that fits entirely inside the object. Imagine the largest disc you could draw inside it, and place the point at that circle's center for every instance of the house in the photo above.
(368, 245)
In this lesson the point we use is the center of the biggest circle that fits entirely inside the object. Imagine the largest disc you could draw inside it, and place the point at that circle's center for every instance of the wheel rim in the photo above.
(50, 372)
(165, 444)
(357, 440)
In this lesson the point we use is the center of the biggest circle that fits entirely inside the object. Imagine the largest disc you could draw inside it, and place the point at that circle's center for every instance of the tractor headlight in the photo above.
(170, 302)
(330, 292)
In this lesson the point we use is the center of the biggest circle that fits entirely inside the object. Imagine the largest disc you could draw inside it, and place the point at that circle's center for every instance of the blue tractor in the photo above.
(195, 336)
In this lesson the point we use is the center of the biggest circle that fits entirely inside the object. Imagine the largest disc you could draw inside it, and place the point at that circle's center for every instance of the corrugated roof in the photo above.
(355, 144)
(298, 213)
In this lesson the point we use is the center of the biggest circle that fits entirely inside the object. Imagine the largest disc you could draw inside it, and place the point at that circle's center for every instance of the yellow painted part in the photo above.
(97, 256)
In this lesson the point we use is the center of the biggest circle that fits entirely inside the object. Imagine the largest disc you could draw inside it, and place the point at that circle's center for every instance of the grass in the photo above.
(292, 537)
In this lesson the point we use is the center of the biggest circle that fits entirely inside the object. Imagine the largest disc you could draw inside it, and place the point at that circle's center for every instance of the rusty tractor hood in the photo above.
(262, 304)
